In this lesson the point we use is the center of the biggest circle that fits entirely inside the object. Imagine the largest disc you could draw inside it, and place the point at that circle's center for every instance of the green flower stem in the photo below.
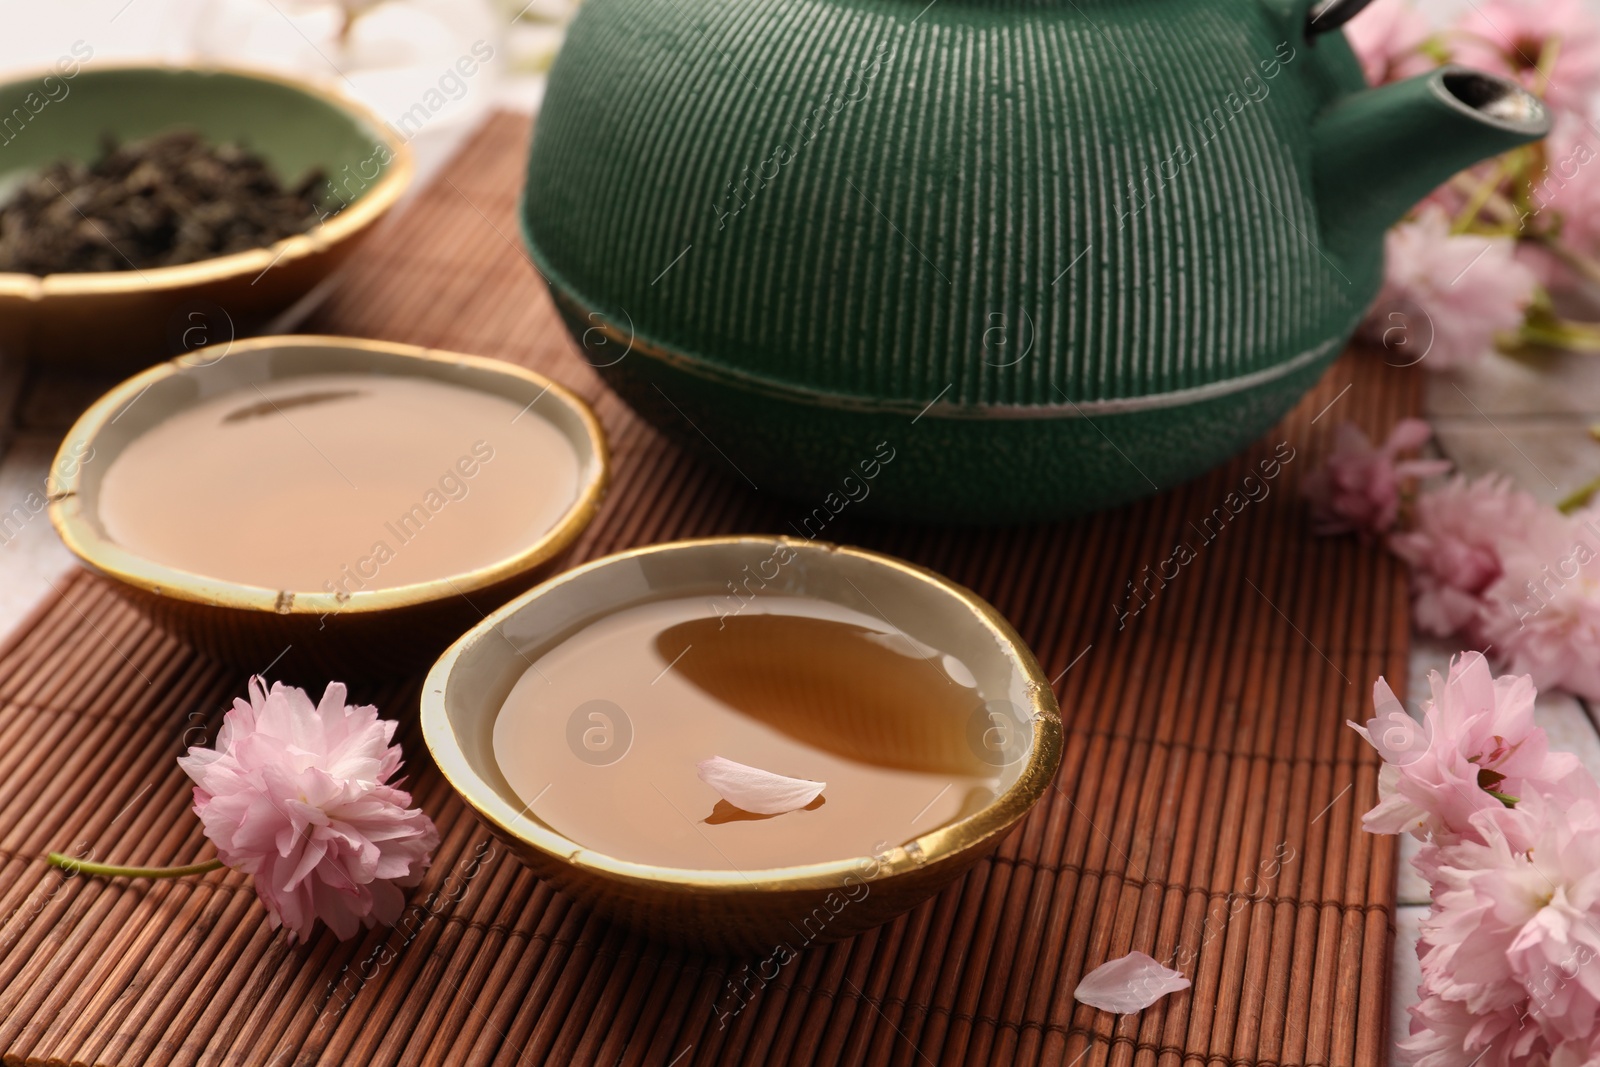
(1478, 194)
(1561, 333)
(1547, 64)
(1490, 202)
(109, 870)
(1579, 497)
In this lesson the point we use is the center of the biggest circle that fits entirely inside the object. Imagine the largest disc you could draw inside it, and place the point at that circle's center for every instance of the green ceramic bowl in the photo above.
(125, 319)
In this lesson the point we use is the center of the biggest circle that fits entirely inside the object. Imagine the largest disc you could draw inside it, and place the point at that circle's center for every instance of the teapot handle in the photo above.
(1325, 16)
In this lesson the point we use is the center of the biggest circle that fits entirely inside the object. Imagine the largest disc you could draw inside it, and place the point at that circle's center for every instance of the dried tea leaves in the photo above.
(170, 199)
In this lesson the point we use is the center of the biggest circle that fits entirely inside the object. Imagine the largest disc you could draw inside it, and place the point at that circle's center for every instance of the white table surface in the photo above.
(1531, 423)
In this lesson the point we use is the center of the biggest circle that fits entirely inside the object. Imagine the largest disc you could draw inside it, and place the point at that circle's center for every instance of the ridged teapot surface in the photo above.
(1047, 256)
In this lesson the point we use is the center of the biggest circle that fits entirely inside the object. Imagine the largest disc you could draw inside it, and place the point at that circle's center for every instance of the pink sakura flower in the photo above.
(1555, 954)
(1449, 296)
(1510, 947)
(1576, 1054)
(1541, 617)
(1514, 37)
(1454, 548)
(1566, 200)
(299, 797)
(1391, 39)
(1358, 489)
(1446, 1033)
(1476, 744)
(1515, 922)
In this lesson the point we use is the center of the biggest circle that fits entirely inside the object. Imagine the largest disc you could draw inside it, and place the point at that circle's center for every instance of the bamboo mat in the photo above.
(1207, 809)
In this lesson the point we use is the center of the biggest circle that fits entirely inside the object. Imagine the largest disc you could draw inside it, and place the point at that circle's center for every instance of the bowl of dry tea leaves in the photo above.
(156, 212)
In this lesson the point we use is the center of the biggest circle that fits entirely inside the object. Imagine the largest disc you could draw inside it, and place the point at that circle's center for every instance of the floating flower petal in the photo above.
(755, 790)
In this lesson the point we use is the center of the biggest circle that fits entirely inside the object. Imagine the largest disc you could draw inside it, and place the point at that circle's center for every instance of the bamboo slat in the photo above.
(1207, 809)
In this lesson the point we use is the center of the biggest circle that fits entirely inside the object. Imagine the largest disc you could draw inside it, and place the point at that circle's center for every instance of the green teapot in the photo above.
(978, 260)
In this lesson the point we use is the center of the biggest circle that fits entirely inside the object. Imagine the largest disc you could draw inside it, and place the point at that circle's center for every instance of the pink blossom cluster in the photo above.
(1497, 569)
(1491, 566)
(1450, 294)
(1510, 949)
(1358, 490)
(298, 795)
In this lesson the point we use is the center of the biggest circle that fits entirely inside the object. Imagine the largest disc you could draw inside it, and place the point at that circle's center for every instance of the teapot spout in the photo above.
(1376, 153)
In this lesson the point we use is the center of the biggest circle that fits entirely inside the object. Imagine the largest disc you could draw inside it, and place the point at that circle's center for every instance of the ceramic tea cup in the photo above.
(358, 628)
(766, 910)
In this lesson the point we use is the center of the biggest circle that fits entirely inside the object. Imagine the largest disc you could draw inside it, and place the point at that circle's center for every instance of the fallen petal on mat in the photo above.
(755, 790)
(1129, 984)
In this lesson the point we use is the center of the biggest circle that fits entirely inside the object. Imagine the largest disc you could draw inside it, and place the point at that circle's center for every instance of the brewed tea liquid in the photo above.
(601, 735)
(339, 482)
